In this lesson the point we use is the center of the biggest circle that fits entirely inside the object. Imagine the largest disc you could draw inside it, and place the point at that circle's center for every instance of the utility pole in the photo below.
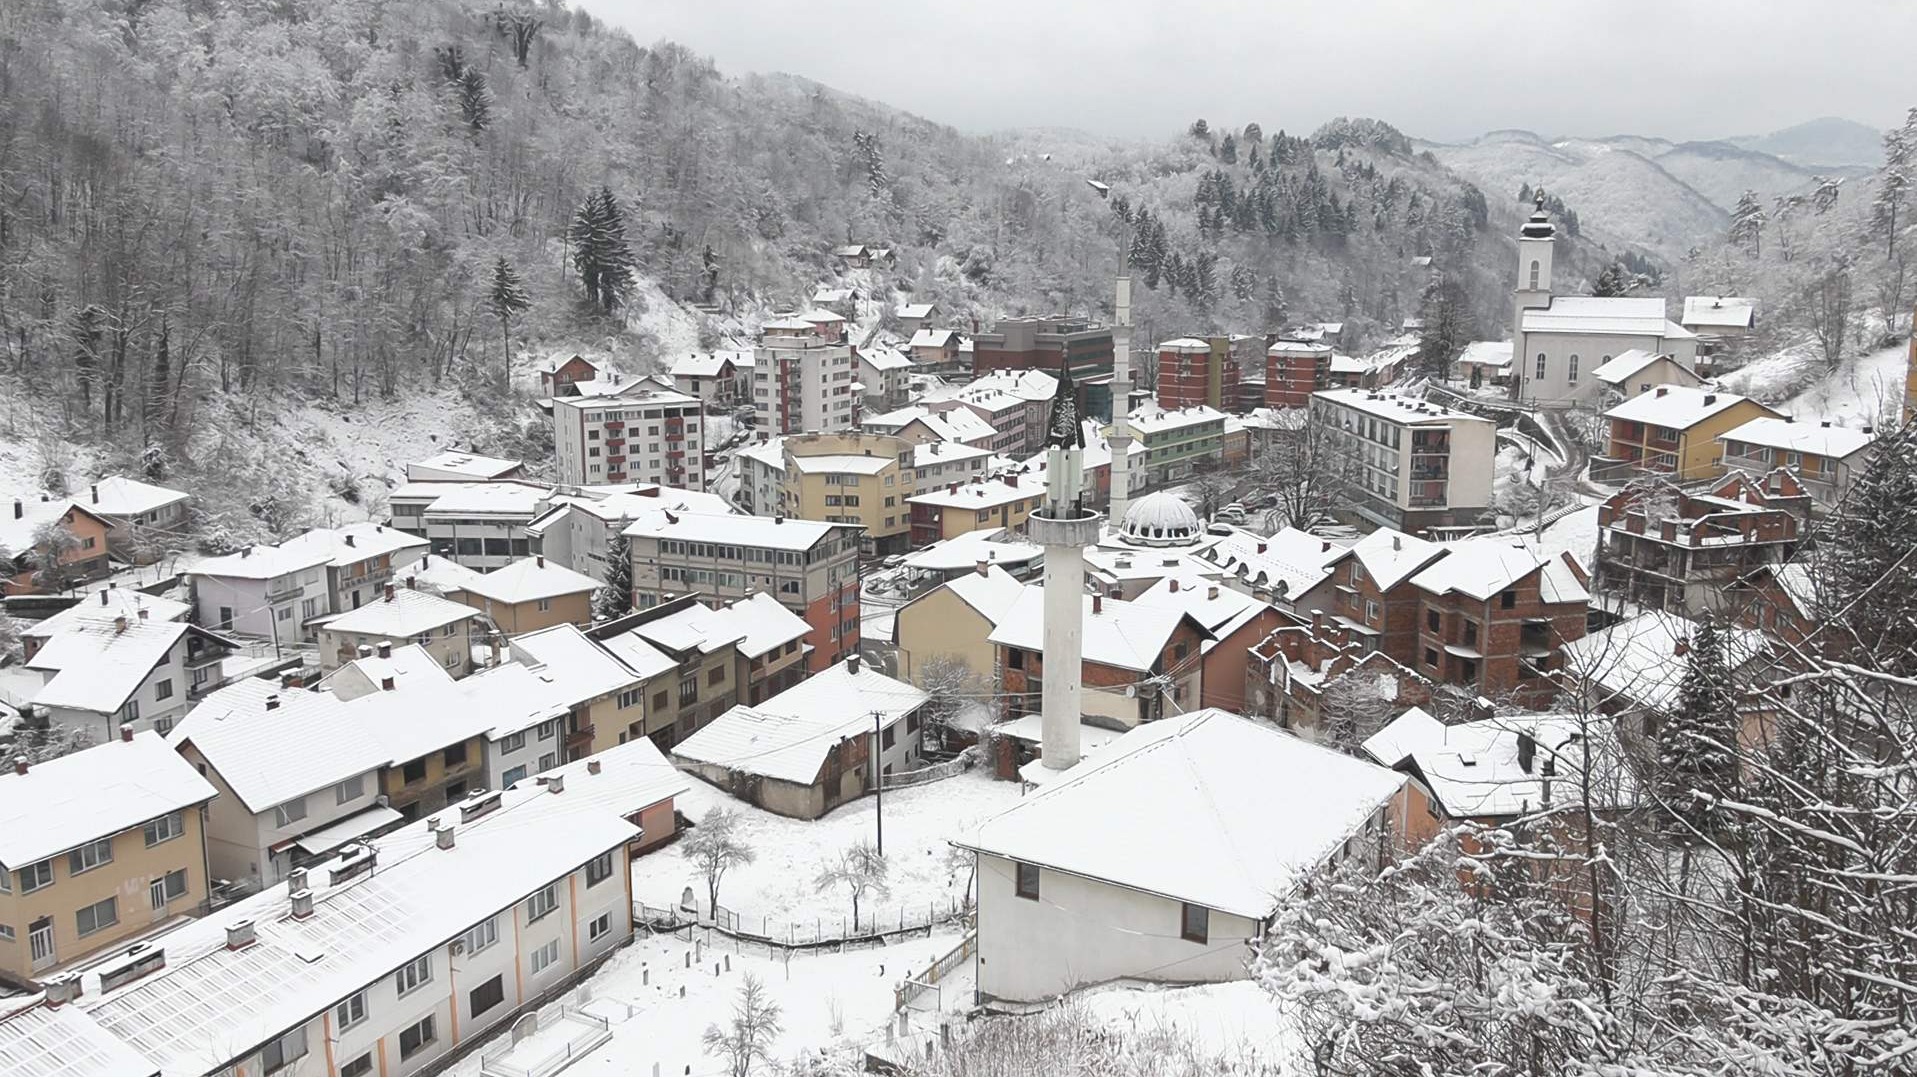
(878, 773)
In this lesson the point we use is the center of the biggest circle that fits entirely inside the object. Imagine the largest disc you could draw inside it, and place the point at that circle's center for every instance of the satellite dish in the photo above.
(1131, 691)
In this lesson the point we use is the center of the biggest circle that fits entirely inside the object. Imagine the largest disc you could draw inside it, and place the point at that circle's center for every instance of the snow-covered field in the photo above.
(1861, 390)
(778, 886)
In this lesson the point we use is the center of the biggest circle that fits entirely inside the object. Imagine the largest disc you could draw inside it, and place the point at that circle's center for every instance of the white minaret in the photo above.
(1064, 527)
(1121, 437)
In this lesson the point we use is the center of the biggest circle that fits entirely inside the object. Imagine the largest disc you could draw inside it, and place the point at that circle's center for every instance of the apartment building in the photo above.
(938, 464)
(923, 423)
(767, 640)
(480, 525)
(886, 375)
(850, 478)
(810, 566)
(1822, 457)
(1001, 501)
(1178, 442)
(1665, 548)
(690, 678)
(1674, 430)
(1494, 618)
(1043, 344)
(98, 845)
(802, 381)
(1294, 370)
(446, 629)
(395, 954)
(1197, 371)
(103, 674)
(650, 436)
(1405, 463)
(577, 530)
(533, 593)
(1005, 414)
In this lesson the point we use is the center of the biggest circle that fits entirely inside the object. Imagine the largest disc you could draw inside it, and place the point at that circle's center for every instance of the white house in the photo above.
(454, 465)
(444, 628)
(361, 558)
(913, 316)
(148, 520)
(1635, 371)
(105, 605)
(262, 591)
(1165, 856)
(98, 675)
(1720, 316)
(1557, 341)
(721, 380)
(393, 955)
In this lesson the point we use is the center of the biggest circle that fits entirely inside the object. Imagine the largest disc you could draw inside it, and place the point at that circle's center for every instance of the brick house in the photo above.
(1296, 667)
(1135, 657)
(1235, 619)
(1494, 617)
(1666, 548)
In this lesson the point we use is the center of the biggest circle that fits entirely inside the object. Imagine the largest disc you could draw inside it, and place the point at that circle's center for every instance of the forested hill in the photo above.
(204, 199)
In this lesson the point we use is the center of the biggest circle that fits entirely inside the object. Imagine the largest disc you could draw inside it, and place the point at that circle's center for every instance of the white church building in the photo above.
(1558, 341)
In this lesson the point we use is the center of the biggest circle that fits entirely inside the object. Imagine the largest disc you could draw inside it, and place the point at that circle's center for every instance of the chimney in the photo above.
(1010, 480)
(61, 989)
(246, 552)
(593, 767)
(852, 664)
(96, 494)
(953, 489)
(18, 509)
(1527, 750)
(493, 644)
(1397, 542)
(1211, 592)
(302, 903)
(119, 624)
(443, 838)
(541, 558)
(1710, 398)
(142, 613)
(1261, 546)
(273, 702)
(1681, 648)
(982, 566)
(103, 596)
(386, 684)
(296, 880)
(385, 650)
(779, 517)
(239, 934)
(1324, 547)
(389, 593)
(19, 765)
(1318, 623)
(1662, 390)
(126, 731)
(1098, 603)
(1172, 583)
(412, 582)
(556, 784)
(349, 540)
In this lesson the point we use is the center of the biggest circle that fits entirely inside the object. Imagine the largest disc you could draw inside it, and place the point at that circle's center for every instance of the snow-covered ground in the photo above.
(778, 887)
(1861, 390)
(1237, 1023)
(826, 1001)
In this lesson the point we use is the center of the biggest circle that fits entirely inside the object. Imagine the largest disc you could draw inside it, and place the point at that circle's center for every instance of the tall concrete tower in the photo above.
(1121, 438)
(1064, 527)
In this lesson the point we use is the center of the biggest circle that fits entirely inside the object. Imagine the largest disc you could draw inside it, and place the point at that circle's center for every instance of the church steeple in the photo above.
(1536, 243)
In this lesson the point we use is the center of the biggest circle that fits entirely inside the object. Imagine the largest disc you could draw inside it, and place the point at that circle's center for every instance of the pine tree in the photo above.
(600, 251)
(1228, 149)
(1276, 311)
(1524, 192)
(1867, 572)
(1697, 742)
(1446, 313)
(614, 598)
(1611, 282)
(475, 100)
(506, 299)
(1204, 279)
(1747, 223)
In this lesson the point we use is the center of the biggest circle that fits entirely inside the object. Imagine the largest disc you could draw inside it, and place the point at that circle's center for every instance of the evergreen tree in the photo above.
(475, 100)
(600, 252)
(1276, 312)
(1228, 149)
(1747, 223)
(1254, 134)
(614, 598)
(1447, 314)
(1204, 279)
(1611, 282)
(506, 299)
(1200, 129)
(1697, 742)
(1524, 192)
(1867, 571)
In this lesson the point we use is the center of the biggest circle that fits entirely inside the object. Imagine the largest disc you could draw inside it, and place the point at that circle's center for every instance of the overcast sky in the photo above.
(1680, 69)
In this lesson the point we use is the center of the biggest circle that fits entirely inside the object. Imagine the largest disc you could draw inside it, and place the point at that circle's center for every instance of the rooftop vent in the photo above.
(240, 934)
(302, 900)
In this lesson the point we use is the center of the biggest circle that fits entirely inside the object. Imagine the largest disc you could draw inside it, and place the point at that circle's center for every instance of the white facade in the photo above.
(275, 608)
(1404, 462)
(802, 382)
(645, 437)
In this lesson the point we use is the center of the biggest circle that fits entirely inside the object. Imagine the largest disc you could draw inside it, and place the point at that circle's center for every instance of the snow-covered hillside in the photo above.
(1861, 391)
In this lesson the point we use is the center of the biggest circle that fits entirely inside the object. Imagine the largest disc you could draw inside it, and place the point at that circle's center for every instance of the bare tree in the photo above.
(754, 1027)
(860, 869)
(715, 846)
(1306, 474)
(53, 544)
(1827, 308)
(950, 685)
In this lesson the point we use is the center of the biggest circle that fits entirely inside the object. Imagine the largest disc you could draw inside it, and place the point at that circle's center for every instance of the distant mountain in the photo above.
(1827, 141)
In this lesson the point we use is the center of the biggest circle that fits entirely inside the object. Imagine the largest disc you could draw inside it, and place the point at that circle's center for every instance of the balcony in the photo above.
(580, 738)
(616, 424)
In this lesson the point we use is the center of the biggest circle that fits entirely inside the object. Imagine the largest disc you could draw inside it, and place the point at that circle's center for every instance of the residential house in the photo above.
(408, 502)
(1139, 662)
(1636, 371)
(1323, 681)
(1484, 363)
(884, 372)
(811, 567)
(1635, 671)
(149, 521)
(98, 675)
(913, 317)
(934, 349)
(480, 526)
(1003, 501)
(1821, 457)
(263, 591)
(1371, 593)
(385, 668)
(444, 628)
(949, 558)
(1495, 616)
(1178, 443)
(1404, 463)
(843, 302)
(1236, 622)
(79, 553)
(829, 325)
(850, 478)
(1664, 548)
(920, 423)
(533, 593)
(1719, 316)
(361, 561)
(691, 678)
(96, 846)
(1200, 872)
(129, 603)
(394, 956)
(1287, 568)
(766, 639)
(560, 372)
(953, 623)
(602, 689)
(823, 742)
(455, 466)
(1674, 430)
(721, 380)
(579, 530)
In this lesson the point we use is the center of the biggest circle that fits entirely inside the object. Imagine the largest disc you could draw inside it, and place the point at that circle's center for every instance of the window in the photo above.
(6, 933)
(167, 888)
(688, 690)
(481, 936)
(548, 761)
(1540, 364)
(282, 1053)
(488, 995)
(1508, 599)
(1470, 632)
(659, 700)
(290, 812)
(351, 1011)
(414, 771)
(1015, 658)
(545, 956)
(35, 876)
(449, 629)
(715, 675)
(544, 605)
(542, 902)
(599, 869)
(285, 613)
(1431, 658)
(165, 828)
(1195, 924)
(102, 914)
(1027, 883)
(413, 974)
(1571, 370)
(128, 712)
(455, 755)
(513, 775)
(163, 689)
(1431, 620)
(631, 698)
(600, 925)
(547, 729)
(512, 743)
(90, 856)
(360, 1066)
(415, 1037)
(1534, 273)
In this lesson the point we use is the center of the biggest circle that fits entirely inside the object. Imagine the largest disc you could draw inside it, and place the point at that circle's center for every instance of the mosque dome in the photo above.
(1161, 519)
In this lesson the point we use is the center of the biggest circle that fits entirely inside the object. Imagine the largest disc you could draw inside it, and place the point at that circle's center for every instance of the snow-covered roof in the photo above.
(403, 613)
(1149, 418)
(991, 593)
(1390, 557)
(770, 532)
(1639, 659)
(1622, 366)
(107, 604)
(833, 295)
(1031, 730)
(528, 579)
(1483, 567)
(1676, 407)
(993, 545)
(759, 622)
(850, 250)
(73, 799)
(430, 572)
(788, 324)
(1161, 518)
(821, 316)
(638, 654)
(1299, 348)
(708, 364)
(1184, 344)
(305, 742)
(99, 665)
(118, 496)
(929, 453)
(1125, 635)
(17, 532)
(1486, 354)
(350, 543)
(409, 667)
(1475, 770)
(1185, 808)
(859, 463)
(788, 736)
(467, 464)
(1220, 609)
(1833, 443)
(183, 1017)
(986, 493)
(576, 661)
(649, 500)
(913, 310)
(1630, 315)
(770, 453)
(884, 359)
(1291, 562)
(552, 363)
(516, 500)
(261, 562)
(1402, 410)
(41, 1041)
(1720, 312)
(932, 338)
